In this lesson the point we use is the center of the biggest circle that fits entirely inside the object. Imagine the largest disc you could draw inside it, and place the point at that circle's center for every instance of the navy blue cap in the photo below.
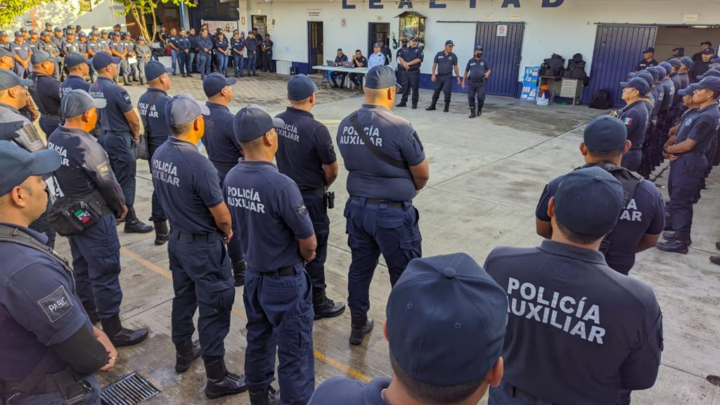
(103, 32)
(82, 35)
(446, 320)
(78, 27)
(32, 32)
(449, 42)
(710, 83)
(140, 38)
(155, 69)
(73, 59)
(48, 24)
(94, 27)
(710, 73)
(689, 90)
(215, 82)
(58, 29)
(93, 34)
(102, 60)
(679, 51)
(605, 134)
(8, 80)
(182, 109)
(252, 122)
(478, 47)
(45, 33)
(649, 49)
(116, 34)
(641, 85)
(675, 63)
(688, 62)
(377, 45)
(662, 73)
(40, 56)
(715, 60)
(23, 29)
(648, 77)
(404, 41)
(70, 33)
(667, 66)
(4, 52)
(708, 51)
(414, 39)
(708, 43)
(589, 202)
(300, 87)
(77, 102)
(18, 34)
(17, 164)
(380, 77)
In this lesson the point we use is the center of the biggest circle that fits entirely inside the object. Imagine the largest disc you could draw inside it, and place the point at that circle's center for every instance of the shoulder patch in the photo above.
(104, 168)
(628, 121)
(56, 305)
(301, 210)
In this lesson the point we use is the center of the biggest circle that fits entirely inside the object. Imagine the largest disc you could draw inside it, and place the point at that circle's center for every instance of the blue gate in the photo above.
(503, 51)
(618, 49)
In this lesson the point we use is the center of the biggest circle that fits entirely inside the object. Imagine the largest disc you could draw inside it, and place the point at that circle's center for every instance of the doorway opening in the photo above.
(377, 32)
(316, 43)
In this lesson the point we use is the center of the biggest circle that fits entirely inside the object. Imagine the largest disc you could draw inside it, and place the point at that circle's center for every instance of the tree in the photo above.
(139, 9)
(11, 9)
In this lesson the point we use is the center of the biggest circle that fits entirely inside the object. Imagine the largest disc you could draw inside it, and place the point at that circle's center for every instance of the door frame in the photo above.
(371, 40)
(309, 42)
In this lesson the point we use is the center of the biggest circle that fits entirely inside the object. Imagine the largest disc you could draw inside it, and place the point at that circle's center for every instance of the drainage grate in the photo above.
(714, 380)
(128, 390)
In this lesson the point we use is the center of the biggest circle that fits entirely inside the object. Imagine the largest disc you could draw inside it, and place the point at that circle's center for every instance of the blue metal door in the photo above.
(618, 49)
(502, 49)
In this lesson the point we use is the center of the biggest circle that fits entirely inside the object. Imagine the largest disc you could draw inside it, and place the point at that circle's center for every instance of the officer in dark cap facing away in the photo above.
(387, 169)
(410, 60)
(78, 69)
(48, 349)
(85, 177)
(594, 332)
(223, 150)
(642, 219)
(189, 191)
(635, 116)
(45, 91)
(648, 60)
(446, 321)
(445, 62)
(278, 240)
(306, 154)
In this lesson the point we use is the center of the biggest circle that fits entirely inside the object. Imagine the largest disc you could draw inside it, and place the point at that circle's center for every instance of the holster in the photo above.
(71, 215)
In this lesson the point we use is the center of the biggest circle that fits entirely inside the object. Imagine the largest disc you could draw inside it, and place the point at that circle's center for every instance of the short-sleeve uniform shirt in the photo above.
(477, 68)
(112, 117)
(701, 126)
(21, 50)
(223, 148)
(73, 83)
(151, 106)
(445, 62)
(410, 54)
(635, 118)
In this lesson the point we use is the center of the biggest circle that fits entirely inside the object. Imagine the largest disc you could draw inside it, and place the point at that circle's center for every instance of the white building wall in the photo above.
(62, 14)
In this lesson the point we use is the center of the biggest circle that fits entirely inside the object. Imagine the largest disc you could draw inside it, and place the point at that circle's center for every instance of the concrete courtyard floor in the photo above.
(486, 177)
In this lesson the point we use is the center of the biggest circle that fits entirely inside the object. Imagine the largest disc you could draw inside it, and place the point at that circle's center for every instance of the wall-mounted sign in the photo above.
(314, 15)
(343, 23)
(501, 30)
(408, 4)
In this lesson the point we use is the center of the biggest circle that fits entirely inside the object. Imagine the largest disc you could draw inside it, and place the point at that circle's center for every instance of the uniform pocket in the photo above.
(412, 247)
(221, 294)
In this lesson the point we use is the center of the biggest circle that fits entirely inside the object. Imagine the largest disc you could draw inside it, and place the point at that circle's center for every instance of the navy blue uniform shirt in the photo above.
(151, 106)
(251, 44)
(112, 117)
(304, 147)
(643, 214)
(194, 43)
(668, 93)
(73, 83)
(477, 68)
(38, 308)
(578, 332)
(48, 92)
(94, 47)
(173, 39)
(340, 59)
(360, 62)
(118, 46)
(270, 214)
(187, 185)
(445, 63)
(346, 391)
(219, 139)
(183, 43)
(222, 44)
(21, 50)
(701, 126)
(269, 45)
(237, 45)
(369, 176)
(85, 167)
(643, 64)
(410, 54)
(677, 83)
(205, 43)
(635, 117)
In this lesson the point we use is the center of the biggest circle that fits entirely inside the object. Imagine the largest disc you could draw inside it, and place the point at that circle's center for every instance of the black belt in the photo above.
(444, 74)
(281, 272)
(194, 237)
(50, 117)
(49, 383)
(476, 81)
(320, 191)
(515, 392)
(116, 132)
(374, 201)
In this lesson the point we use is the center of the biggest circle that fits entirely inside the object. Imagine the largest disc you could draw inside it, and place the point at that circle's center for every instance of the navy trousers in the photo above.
(90, 398)
(238, 61)
(158, 213)
(251, 64)
(280, 316)
(234, 247)
(202, 278)
(96, 260)
(118, 146)
(442, 83)
(498, 396)
(315, 205)
(411, 81)
(376, 229)
(686, 175)
(48, 125)
(476, 91)
(632, 160)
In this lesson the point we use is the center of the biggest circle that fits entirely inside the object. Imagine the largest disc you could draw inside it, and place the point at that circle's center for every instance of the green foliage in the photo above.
(9, 9)
(139, 9)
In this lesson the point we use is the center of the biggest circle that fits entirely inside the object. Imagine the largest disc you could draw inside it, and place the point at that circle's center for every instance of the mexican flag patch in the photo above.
(627, 121)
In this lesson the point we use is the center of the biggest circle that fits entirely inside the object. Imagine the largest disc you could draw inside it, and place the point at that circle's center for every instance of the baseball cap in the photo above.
(58, 29)
(688, 62)
(478, 47)
(33, 32)
(252, 122)
(93, 34)
(377, 45)
(649, 49)
(639, 84)
(77, 102)
(140, 38)
(102, 59)
(82, 35)
(8, 80)
(70, 33)
(215, 82)
(380, 77)
(605, 134)
(446, 320)
(667, 66)
(116, 34)
(103, 32)
(23, 29)
(710, 73)
(182, 109)
(649, 78)
(679, 51)
(689, 90)
(414, 39)
(73, 59)
(78, 27)
(675, 63)
(40, 56)
(300, 87)
(18, 34)
(17, 164)
(589, 202)
(449, 42)
(155, 69)
(710, 83)
(48, 24)
(708, 51)
(660, 71)
(94, 27)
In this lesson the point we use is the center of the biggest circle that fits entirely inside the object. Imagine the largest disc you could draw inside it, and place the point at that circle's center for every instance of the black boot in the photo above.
(447, 107)
(479, 112)
(679, 244)
(361, 326)
(268, 396)
(185, 353)
(133, 224)
(239, 273)
(120, 336)
(162, 233)
(431, 108)
(402, 104)
(91, 311)
(220, 382)
(472, 112)
(414, 106)
(325, 307)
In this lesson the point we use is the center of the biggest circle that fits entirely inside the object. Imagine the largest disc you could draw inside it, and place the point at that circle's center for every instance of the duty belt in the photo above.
(59, 383)
(51, 117)
(320, 191)
(195, 237)
(528, 399)
(281, 272)
(374, 201)
(476, 81)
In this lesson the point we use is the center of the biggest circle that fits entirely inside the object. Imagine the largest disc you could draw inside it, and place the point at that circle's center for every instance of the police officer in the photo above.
(642, 219)
(377, 58)
(399, 69)
(94, 46)
(600, 331)
(78, 70)
(82, 41)
(701, 66)
(130, 58)
(120, 126)
(689, 161)
(45, 91)
(237, 46)
(4, 41)
(267, 52)
(69, 45)
(647, 61)
(432, 297)
(151, 106)
(385, 51)
(143, 54)
(410, 60)
(205, 54)
(22, 55)
(635, 116)
(48, 46)
(118, 50)
(33, 40)
(251, 44)
(223, 150)
(358, 61)
(477, 71)
(183, 44)
(445, 62)
(306, 155)
(683, 72)
(189, 192)
(387, 168)
(340, 58)
(85, 174)
(105, 42)
(277, 239)
(675, 65)
(7, 59)
(58, 40)
(48, 349)
(174, 50)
